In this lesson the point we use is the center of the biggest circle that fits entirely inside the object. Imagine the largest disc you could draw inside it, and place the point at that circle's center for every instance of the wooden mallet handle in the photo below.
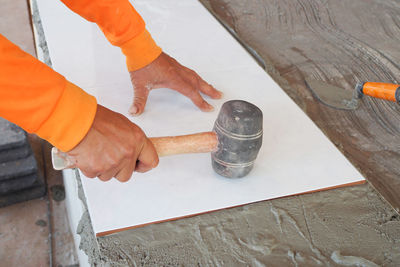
(185, 144)
(165, 146)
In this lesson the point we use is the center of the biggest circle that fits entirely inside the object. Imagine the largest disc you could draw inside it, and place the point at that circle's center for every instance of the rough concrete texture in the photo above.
(40, 39)
(12, 136)
(342, 43)
(17, 183)
(20, 180)
(343, 227)
(24, 236)
(88, 241)
(13, 154)
(18, 168)
(35, 190)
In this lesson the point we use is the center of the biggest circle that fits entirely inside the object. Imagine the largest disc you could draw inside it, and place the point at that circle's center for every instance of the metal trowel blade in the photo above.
(333, 96)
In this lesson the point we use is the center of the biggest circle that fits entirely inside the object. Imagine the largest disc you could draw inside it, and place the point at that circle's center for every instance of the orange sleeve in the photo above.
(122, 26)
(42, 101)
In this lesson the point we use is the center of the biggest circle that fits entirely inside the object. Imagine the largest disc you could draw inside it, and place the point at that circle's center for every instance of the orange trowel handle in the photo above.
(388, 91)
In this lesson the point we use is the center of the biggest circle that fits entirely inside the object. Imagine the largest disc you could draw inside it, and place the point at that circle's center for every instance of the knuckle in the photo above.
(192, 81)
(98, 171)
(139, 137)
(129, 151)
(111, 162)
(196, 80)
(140, 100)
(192, 94)
(113, 165)
(91, 164)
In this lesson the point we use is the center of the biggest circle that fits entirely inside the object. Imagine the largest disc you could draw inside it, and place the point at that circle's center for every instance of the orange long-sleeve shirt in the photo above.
(42, 101)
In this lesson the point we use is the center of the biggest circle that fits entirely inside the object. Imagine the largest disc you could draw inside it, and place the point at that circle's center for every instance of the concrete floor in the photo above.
(24, 234)
(34, 233)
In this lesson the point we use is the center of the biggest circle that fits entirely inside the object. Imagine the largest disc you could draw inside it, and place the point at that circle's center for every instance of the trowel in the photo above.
(341, 98)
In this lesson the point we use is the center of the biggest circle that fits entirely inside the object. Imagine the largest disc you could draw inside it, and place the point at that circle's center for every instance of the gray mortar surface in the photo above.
(349, 226)
(41, 40)
(88, 241)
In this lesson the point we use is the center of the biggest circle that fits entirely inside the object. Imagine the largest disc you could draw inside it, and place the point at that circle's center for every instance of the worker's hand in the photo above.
(113, 147)
(166, 72)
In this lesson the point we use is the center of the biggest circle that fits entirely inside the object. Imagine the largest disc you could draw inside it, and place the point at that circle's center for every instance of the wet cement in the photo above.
(343, 227)
(342, 43)
(351, 226)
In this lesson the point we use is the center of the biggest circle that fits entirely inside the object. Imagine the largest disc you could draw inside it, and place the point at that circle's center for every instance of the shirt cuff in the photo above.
(70, 120)
(140, 51)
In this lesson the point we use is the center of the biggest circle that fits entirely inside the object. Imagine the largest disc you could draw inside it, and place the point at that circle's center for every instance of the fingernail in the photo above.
(209, 108)
(133, 110)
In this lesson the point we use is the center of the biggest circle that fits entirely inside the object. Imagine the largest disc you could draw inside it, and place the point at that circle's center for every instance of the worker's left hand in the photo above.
(166, 72)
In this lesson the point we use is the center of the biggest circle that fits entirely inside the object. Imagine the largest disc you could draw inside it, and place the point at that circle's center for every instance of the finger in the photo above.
(209, 90)
(108, 175)
(126, 172)
(190, 88)
(199, 101)
(105, 178)
(141, 94)
(148, 158)
(203, 86)
(140, 167)
(89, 174)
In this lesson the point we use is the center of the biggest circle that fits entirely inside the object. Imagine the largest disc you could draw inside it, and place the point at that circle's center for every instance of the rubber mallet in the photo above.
(234, 142)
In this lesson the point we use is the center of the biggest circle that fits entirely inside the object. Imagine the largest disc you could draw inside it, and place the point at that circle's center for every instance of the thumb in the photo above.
(139, 100)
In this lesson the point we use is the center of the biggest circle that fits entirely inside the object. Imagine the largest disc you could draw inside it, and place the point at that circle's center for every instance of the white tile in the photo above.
(296, 156)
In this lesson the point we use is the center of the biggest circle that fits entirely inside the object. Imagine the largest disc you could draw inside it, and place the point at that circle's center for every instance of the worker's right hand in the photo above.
(113, 147)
